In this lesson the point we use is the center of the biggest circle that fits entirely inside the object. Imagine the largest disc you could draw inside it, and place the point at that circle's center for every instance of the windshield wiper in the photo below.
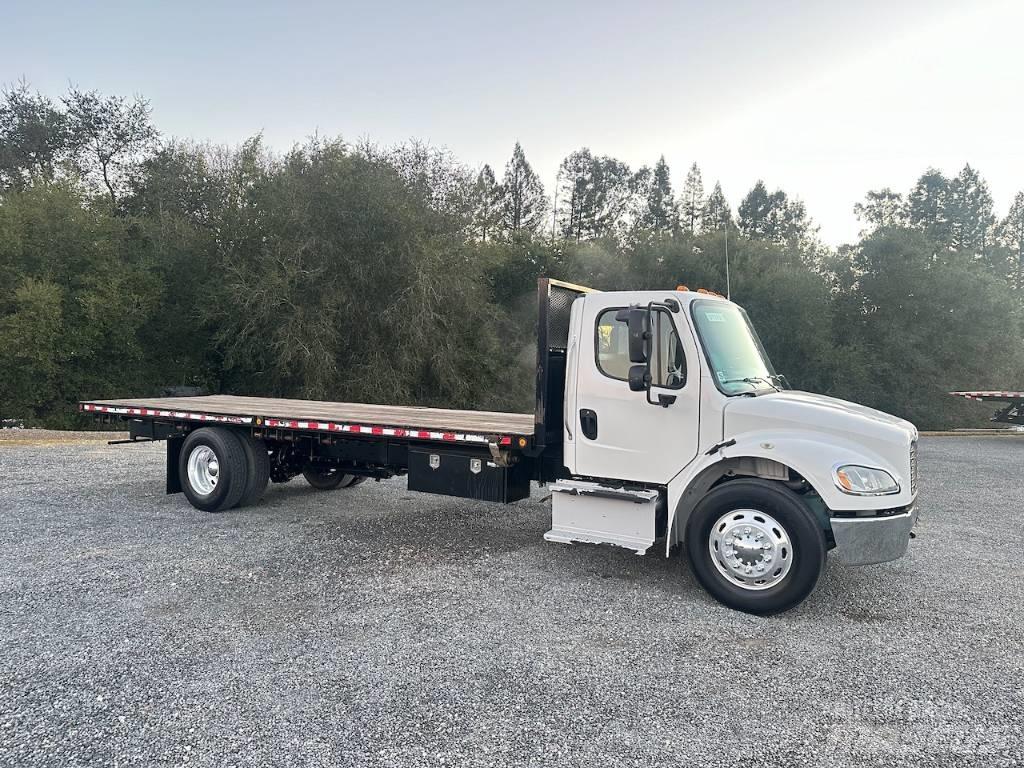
(752, 380)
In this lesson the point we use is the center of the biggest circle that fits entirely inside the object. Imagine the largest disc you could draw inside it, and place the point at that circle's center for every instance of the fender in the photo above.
(809, 454)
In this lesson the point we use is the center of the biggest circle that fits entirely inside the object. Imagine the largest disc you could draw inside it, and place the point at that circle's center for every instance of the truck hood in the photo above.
(886, 435)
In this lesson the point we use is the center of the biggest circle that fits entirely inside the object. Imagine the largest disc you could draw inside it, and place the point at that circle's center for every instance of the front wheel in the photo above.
(329, 478)
(755, 546)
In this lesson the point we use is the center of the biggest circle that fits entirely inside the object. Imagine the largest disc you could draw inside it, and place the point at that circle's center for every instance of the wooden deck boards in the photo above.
(486, 422)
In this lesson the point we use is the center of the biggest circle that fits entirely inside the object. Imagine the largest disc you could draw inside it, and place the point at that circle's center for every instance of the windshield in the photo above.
(738, 362)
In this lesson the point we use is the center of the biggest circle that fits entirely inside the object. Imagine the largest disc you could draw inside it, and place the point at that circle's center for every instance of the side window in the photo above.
(612, 345)
(668, 363)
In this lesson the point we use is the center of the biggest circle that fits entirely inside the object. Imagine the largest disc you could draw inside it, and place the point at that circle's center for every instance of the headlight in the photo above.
(864, 481)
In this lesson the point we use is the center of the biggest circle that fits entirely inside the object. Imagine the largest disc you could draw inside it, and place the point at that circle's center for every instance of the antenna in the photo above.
(554, 211)
(728, 292)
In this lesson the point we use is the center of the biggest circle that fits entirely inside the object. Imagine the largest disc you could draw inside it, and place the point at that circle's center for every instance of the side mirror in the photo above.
(638, 323)
(639, 379)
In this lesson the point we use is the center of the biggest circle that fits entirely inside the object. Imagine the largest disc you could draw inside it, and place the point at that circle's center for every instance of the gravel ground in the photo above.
(376, 627)
(50, 436)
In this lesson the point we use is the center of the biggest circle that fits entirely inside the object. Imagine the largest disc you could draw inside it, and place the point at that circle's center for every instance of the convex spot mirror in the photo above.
(639, 379)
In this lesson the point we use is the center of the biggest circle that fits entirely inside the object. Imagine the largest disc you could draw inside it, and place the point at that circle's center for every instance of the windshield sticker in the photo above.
(721, 376)
(714, 317)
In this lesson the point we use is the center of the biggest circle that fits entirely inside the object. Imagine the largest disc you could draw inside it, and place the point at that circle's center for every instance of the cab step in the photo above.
(595, 513)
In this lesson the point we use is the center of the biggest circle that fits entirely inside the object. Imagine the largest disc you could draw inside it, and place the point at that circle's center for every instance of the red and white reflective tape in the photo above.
(368, 429)
(990, 395)
(185, 415)
(324, 426)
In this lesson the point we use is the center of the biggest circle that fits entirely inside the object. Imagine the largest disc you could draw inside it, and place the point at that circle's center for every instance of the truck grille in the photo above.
(913, 467)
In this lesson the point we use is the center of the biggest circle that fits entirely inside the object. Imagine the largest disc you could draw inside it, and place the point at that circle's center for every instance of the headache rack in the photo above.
(554, 302)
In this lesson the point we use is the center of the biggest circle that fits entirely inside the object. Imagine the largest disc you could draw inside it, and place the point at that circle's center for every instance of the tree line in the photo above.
(130, 263)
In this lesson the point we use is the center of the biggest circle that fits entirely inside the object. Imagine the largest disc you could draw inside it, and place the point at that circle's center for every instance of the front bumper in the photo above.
(867, 540)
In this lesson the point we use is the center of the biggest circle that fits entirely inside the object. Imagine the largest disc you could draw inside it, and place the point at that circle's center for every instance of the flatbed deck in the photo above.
(318, 415)
(1012, 410)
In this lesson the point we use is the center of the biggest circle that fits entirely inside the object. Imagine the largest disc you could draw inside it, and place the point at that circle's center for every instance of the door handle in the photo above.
(588, 423)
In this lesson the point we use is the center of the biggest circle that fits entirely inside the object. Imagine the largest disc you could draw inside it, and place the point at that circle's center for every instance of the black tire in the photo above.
(329, 478)
(257, 462)
(232, 474)
(805, 537)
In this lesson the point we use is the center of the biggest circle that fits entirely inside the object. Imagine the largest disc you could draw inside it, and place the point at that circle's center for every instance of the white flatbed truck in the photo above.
(659, 421)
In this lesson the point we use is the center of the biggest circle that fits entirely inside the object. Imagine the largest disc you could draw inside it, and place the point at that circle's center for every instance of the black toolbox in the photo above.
(470, 475)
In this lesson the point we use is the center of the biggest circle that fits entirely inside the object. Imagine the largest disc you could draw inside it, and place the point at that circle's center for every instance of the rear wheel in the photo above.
(329, 478)
(257, 462)
(212, 468)
(755, 546)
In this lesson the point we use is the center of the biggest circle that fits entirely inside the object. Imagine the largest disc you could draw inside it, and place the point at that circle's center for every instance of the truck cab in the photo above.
(676, 427)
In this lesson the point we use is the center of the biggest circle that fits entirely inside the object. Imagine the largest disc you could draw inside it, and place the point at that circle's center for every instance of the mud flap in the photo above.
(173, 454)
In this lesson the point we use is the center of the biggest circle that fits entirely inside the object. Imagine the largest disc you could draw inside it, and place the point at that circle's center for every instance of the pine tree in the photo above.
(595, 195)
(575, 176)
(775, 217)
(657, 205)
(970, 214)
(792, 225)
(755, 212)
(613, 195)
(486, 204)
(927, 206)
(692, 201)
(716, 214)
(1011, 235)
(882, 208)
(523, 202)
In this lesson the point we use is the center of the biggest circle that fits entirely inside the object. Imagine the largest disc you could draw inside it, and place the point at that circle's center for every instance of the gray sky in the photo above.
(825, 100)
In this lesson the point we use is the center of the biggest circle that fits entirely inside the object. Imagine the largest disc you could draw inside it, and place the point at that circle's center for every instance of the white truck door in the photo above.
(617, 433)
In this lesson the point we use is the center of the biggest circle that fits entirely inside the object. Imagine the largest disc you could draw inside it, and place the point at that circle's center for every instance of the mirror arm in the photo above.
(663, 400)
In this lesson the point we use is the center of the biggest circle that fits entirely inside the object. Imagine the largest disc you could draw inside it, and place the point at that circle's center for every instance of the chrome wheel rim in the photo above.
(750, 549)
(203, 470)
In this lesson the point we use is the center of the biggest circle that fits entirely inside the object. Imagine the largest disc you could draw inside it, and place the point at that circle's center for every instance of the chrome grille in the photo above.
(913, 467)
